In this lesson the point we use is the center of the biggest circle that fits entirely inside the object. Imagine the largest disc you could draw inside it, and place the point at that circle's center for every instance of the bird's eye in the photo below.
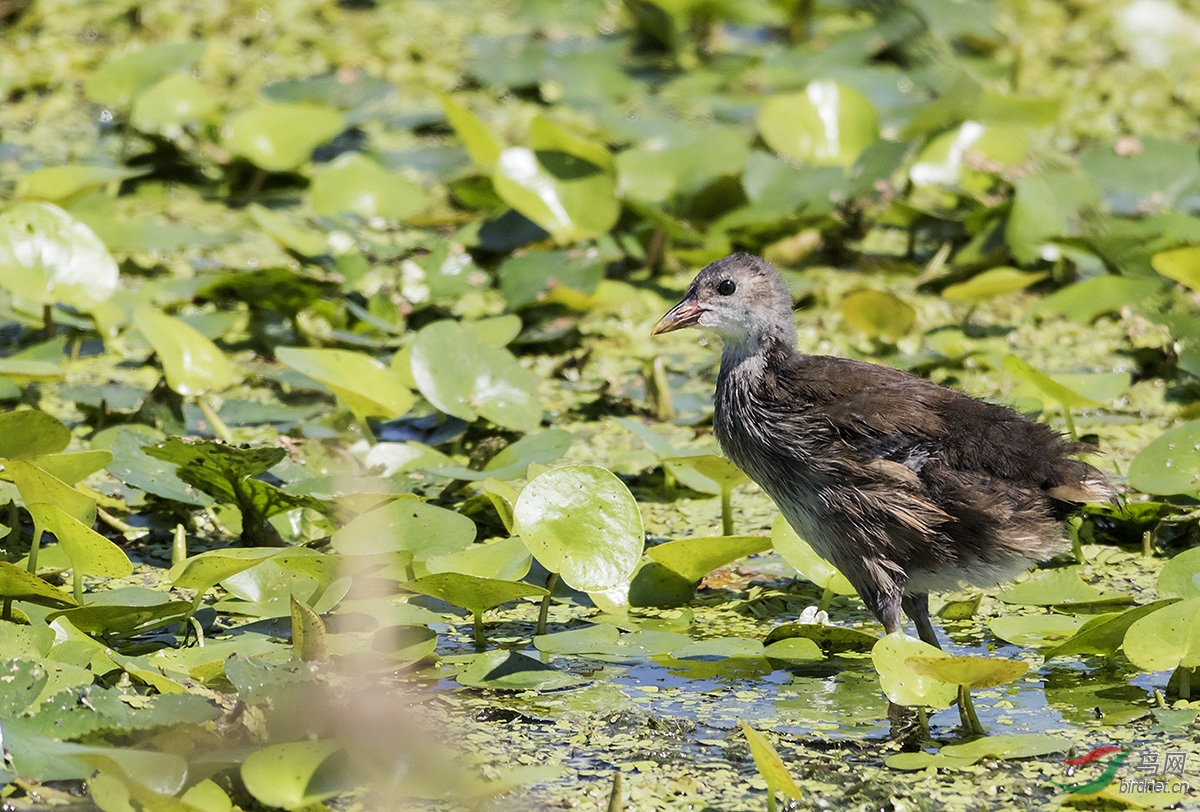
(727, 287)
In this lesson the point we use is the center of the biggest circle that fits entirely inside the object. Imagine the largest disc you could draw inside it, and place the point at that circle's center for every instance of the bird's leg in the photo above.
(916, 606)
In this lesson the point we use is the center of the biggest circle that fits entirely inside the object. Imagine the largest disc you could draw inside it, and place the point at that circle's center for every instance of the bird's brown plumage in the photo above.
(904, 485)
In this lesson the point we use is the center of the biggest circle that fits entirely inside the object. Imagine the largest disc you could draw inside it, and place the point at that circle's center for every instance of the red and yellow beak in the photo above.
(685, 314)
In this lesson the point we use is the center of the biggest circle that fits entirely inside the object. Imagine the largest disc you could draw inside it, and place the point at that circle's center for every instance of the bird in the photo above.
(907, 487)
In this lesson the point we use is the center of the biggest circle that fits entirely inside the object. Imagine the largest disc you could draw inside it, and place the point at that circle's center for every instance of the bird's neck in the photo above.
(749, 359)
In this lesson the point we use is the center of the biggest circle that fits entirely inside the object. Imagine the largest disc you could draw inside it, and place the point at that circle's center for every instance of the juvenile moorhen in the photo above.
(905, 486)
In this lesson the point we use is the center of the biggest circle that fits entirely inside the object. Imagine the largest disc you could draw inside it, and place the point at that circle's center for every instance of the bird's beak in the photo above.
(685, 314)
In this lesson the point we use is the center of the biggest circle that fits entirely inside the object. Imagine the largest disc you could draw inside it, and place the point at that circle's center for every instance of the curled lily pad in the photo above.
(827, 124)
(483, 147)
(281, 137)
(1038, 631)
(1104, 634)
(281, 775)
(1060, 587)
(945, 160)
(507, 559)
(50, 257)
(513, 461)
(1180, 264)
(696, 557)
(406, 524)
(581, 522)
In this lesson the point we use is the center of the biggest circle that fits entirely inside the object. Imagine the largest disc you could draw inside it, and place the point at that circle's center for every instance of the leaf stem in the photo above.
(210, 414)
(34, 546)
(1070, 424)
(47, 322)
(544, 611)
(966, 710)
(480, 639)
(179, 546)
(826, 599)
(726, 511)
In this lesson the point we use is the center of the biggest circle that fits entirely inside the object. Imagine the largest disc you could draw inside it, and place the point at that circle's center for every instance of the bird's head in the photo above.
(741, 298)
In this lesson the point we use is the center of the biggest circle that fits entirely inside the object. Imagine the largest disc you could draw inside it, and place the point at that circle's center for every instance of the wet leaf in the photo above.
(467, 378)
(825, 124)
(50, 257)
(948, 158)
(364, 385)
(281, 137)
(191, 363)
(581, 522)
(1170, 464)
(566, 194)
(904, 684)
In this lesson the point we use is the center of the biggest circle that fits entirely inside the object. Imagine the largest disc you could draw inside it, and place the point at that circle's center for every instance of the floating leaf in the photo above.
(507, 559)
(481, 145)
(1059, 587)
(831, 639)
(1180, 264)
(26, 433)
(511, 670)
(281, 137)
(20, 584)
(1037, 631)
(354, 184)
(904, 684)
(55, 183)
(1088, 299)
(1104, 634)
(192, 364)
(990, 284)
(467, 378)
(1048, 386)
(308, 633)
(173, 102)
(696, 557)
(473, 593)
(567, 195)
(586, 640)
(1180, 577)
(581, 522)
(406, 524)
(50, 257)
(827, 124)
(1170, 464)
(946, 160)
(878, 314)
(281, 775)
(973, 672)
(513, 461)
(118, 80)
(364, 385)
(1011, 745)
(1167, 638)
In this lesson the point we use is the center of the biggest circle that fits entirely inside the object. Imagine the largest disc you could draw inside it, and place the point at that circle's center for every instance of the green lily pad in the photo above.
(1167, 638)
(90, 552)
(471, 592)
(118, 80)
(56, 183)
(990, 284)
(946, 160)
(769, 765)
(281, 137)
(826, 124)
(1060, 587)
(1048, 386)
(364, 385)
(1011, 745)
(564, 193)
(581, 522)
(1104, 634)
(878, 314)
(720, 648)
(831, 639)
(793, 650)
(483, 147)
(37, 486)
(590, 639)
(1088, 299)
(50, 257)
(406, 524)
(814, 569)
(696, 557)
(20, 584)
(305, 241)
(904, 684)
(355, 184)
(1180, 264)
(1170, 464)
(174, 101)
(1037, 631)
(1180, 577)
(124, 612)
(712, 467)
(513, 671)
(29, 433)
(282, 775)
(506, 559)
(973, 672)
(468, 378)
(192, 364)
(513, 461)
